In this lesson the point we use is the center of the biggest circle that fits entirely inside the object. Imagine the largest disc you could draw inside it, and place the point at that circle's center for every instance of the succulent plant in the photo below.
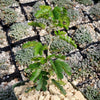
(7, 94)
(82, 35)
(3, 67)
(85, 2)
(8, 16)
(5, 3)
(73, 14)
(61, 3)
(93, 56)
(91, 93)
(24, 56)
(95, 11)
(2, 35)
(59, 45)
(85, 66)
(19, 30)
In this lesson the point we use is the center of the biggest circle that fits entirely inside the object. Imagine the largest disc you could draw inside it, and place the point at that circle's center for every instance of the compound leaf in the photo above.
(35, 74)
(34, 66)
(58, 70)
(69, 40)
(37, 24)
(43, 12)
(29, 44)
(63, 65)
(59, 87)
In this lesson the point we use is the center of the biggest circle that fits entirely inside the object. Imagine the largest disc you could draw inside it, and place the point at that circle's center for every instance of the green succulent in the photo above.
(19, 30)
(5, 3)
(2, 35)
(8, 16)
(7, 94)
(24, 56)
(93, 56)
(85, 2)
(61, 3)
(82, 35)
(73, 14)
(95, 11)
(91, 93)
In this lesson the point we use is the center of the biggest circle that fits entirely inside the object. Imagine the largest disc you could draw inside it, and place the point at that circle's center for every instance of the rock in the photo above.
(78, 95)
(98, 84)
(43, 32)
(66, 99)
(53, 90)
(55, 97)
(41, 97)
(47, 97)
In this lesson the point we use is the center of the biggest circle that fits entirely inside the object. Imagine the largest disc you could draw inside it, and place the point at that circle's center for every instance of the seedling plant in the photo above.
(45, 63)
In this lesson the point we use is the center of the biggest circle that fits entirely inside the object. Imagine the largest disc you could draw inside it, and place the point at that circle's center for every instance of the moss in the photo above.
(5, 3)
(61, 3)
(8, 16)
(85, 2)
(91, 93)
(24, 56)
(73, 14)
(82, 36)
(19, 30)
(95, 11)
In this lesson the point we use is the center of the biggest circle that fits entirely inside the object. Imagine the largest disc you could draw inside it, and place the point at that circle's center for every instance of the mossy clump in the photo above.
(95, 11)
(61, 3)
(7, 94)
(92, 93)
(85, 2)
(8, 16)
(24, 56)
(19, 30)
(82, 35)
(73, 14)
(6, 3)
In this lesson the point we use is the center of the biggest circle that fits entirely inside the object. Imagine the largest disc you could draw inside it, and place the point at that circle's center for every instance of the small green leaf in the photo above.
(50, 56)
(35, 74)
(42, 81)
(43, 12)
(34, 66)
(60, 56)
(61, 82)
(39, 84)
(38, 49)
(29, 44)
(60, 32)
(66, 21)
(69, 40)
(36, 58)
(63, 65)
(58, 70)
(37, 24)
(59, 87)
(57, 12)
